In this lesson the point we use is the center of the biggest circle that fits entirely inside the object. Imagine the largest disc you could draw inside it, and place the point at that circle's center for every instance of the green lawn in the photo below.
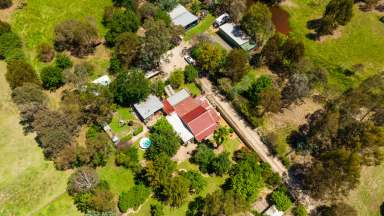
(62, 206)
(119, 178)
(231, 145)
(35, 23)
(200, 28)
(361, 42)
(28, 182)
(125, 114)
(192, 88)
(369, 195)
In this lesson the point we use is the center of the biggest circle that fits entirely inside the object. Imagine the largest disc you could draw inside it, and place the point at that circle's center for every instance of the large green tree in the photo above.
(159, 170)
(210, 57)
(257, 23)
(130, 87)
(78, 37)
(237, 65)
(126, 48)
(176, 191)
(52, 77)
(121, 21)
(20, 72)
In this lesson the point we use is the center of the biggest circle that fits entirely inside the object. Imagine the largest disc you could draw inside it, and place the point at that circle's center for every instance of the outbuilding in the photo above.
(179, 127)
(149, 107)
(181, 16)
(103, 80)
(235, 37)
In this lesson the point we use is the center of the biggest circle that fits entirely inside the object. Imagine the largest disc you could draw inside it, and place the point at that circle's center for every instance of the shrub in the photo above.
(28, 93)
(80, 38)
(300, 210)
(5, 4)
(4, 27)
(63, 61)
(157, 210)
(129, 158)
(45, 52)
(197, 182)
(138, 130)
(281, 200)
(176, 79)
(15, 54)
(52, 77)
(133, 198)
(8, 42)
(20, 72)
(190, 73)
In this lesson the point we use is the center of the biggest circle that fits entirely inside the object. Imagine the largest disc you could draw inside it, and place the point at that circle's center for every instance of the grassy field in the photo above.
(200, 28)
(28, 183)
(62, 206)
(369, 195)
(359, 42)
(35, 23)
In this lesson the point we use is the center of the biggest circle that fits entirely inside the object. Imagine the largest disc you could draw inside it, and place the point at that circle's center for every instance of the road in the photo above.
(248, 135)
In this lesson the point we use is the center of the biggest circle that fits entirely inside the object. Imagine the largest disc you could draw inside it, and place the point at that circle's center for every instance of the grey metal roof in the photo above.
(178, 97)
(235, 33)
(181, 16)
(148, 107)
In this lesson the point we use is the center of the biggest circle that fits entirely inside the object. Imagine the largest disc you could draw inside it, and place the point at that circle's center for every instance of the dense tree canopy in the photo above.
(237, 64)
(235, 8)
(126, 48)
(158, 171)
(176, 191)
(210, 57)
(52, 77)
(257, 23)
(121, 21)
(78, 37)
(20, 72)
(130, 87)
(164, 140)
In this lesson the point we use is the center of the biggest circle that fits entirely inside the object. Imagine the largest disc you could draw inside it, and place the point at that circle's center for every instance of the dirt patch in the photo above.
(5, 14)
(184, 152)
(336, 35)
(294, 115)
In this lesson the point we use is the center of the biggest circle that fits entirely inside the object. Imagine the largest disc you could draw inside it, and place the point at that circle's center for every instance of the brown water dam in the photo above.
(280, 18)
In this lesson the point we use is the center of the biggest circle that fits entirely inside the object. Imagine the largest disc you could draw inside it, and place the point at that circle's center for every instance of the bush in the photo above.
(190, 73)
(63, 61)
(46, 52)
(5, 4)
(122, 21)
(157, 210)
(28, 93)
(138, 130)
(80, 38)
(129, 158)
(176, 79)
(197, 181)
(8, 42)
(15, 54)
(52, 77)
(20, 72)
(4, 27)
(281, 200)
(133, 198)
(300, 210)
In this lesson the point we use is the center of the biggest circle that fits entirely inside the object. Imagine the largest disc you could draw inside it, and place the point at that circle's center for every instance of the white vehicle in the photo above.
(222, 19)
(190, 60)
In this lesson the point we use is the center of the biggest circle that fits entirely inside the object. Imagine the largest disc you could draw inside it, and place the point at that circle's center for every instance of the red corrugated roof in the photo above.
(203, 126)
(186, 106)
(167, 107)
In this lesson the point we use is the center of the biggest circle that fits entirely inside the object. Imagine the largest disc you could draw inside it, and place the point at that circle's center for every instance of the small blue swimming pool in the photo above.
(145, 143)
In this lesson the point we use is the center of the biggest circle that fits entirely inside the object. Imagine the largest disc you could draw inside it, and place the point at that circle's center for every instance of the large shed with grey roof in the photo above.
(148, 107)
(233, 35)
(181, 16)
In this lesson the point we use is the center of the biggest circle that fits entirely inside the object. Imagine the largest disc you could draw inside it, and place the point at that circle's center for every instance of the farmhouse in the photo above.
(149, 107)
(181, 16)
(179, 127)
(196, 113)
(235, 37)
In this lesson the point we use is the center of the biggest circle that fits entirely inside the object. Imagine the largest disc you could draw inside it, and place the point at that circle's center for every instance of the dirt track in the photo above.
(243, 130)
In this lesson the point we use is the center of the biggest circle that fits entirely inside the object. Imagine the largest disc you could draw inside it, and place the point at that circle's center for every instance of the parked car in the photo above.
(222, 19)
(190, 60)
